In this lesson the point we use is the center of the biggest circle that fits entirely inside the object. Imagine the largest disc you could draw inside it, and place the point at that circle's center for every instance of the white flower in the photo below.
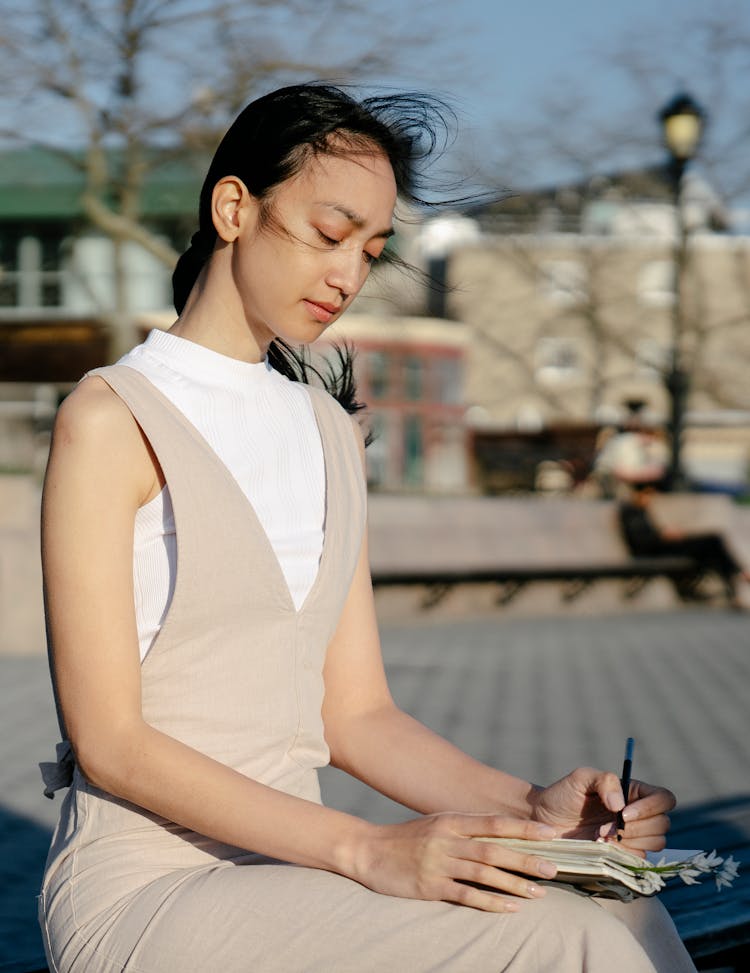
(690, 876)
(707, 862)
(652, 882)
(690, 870)
(727, 874)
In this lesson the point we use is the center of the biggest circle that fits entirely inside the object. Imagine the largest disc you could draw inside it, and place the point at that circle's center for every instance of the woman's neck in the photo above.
(214, 317)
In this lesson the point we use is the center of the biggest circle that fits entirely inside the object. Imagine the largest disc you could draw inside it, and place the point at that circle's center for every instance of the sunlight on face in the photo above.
(297, 272)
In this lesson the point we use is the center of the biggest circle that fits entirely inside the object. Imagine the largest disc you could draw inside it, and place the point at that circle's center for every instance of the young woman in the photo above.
(204, 509)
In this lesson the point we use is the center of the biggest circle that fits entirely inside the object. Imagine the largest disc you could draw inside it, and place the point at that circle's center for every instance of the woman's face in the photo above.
(329, 223)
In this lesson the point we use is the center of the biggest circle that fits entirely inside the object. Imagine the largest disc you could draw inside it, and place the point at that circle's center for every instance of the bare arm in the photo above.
(373, 740)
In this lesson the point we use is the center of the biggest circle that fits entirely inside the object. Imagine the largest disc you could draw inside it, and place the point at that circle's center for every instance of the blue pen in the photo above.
(627, 768)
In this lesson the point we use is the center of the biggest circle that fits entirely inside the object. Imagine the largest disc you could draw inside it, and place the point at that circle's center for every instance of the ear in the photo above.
(232, 206)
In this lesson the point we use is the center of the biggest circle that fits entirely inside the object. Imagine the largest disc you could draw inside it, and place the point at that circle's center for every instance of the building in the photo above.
(64, 284)
(570, 296)
(72, 297)
(411, 373)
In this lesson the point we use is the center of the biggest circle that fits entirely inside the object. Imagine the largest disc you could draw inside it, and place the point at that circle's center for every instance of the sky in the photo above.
(515, 51)
(501, 62)
(519, 49)
(504, 59)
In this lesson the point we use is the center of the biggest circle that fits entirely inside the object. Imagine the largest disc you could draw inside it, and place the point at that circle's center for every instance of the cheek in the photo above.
(258, 267)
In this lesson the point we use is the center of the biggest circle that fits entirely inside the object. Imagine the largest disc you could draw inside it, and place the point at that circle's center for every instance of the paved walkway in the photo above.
(536, 696)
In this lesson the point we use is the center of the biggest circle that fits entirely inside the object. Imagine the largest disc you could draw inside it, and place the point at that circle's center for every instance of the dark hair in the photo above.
(272, 139)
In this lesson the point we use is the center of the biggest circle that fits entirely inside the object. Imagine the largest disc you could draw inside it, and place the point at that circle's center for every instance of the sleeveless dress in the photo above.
(236, 672)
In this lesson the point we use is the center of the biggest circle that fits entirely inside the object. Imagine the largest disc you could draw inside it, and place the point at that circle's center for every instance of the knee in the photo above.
(572, 932)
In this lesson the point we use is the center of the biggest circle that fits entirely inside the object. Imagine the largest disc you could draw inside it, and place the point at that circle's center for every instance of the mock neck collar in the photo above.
(204, 365)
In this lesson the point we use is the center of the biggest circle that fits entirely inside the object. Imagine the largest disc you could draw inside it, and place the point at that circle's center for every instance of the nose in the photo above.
(347, 271)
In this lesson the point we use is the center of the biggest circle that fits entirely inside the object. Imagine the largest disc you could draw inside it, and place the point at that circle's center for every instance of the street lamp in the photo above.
(682, 122)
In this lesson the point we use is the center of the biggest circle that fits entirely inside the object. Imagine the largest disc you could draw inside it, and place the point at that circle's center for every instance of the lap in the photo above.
(275, 918)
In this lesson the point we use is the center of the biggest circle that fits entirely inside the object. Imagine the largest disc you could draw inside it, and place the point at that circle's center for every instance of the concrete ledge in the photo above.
(413, 533)
(425, 533)
(21, 603)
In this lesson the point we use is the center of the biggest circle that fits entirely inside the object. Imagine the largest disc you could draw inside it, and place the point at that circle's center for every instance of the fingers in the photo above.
(642, 845)
(473, 878)
(496, 856)
(656, 826)
(647, 834)
(607, 786)
(643, 800)
(498, 826)
(647, 801)
(491, 877)
(481, 869)
(439, 857)
(475, 898)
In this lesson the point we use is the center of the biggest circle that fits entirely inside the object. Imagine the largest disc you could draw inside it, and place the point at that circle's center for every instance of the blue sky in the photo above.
(515, 51)
(501, 61)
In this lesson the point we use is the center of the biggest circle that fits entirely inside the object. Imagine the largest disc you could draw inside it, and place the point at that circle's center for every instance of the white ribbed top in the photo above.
(263, 428)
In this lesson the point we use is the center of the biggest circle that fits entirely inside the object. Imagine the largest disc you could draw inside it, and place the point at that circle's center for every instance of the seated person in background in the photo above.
(646, 539)
(635, 454)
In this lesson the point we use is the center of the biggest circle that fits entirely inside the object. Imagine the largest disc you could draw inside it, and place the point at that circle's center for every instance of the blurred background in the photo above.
(578, 327)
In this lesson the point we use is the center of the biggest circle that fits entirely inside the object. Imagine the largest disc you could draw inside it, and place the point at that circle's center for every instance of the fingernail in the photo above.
(630, 814)
(545, 831)
(547, 869)
(512, 907)
(535, 891)
(607, 831)
(613, 801)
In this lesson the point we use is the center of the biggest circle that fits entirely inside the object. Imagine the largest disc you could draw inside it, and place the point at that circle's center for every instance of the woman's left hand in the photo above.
(584, 804)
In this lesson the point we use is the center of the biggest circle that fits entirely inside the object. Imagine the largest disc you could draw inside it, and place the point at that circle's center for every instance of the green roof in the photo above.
(39, 184)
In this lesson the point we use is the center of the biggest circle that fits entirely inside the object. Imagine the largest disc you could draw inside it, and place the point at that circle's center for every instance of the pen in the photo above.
(627, 767)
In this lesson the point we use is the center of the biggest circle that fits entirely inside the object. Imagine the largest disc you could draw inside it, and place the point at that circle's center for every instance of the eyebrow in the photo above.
(356, 220)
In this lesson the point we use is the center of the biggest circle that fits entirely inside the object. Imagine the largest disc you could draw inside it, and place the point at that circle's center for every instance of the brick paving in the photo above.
(536, 696)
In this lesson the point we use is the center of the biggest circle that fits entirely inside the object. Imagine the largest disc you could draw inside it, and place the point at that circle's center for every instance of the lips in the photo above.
(322, 311)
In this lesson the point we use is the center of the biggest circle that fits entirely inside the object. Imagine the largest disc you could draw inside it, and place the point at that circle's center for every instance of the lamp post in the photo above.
(682, 122)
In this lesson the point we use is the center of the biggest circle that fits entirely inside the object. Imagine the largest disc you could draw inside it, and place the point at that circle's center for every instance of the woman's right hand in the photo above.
(436, 857)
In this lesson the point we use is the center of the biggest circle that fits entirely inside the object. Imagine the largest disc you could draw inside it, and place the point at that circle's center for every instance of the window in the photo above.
(563, 282)
(448, 380)
(378, 367)
(413, 451)
(655, 285)
(557, 360)
(413, 375)
(8, 270)
(29, 269)
(377, 452)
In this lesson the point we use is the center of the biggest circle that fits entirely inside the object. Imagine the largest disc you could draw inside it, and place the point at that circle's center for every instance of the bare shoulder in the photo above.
(92, 409)
(96, 433)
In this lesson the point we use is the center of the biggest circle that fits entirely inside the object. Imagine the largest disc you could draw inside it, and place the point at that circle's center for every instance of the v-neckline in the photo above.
(225, 472)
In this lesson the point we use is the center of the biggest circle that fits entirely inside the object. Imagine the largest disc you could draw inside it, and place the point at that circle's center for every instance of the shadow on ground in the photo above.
(23, 849)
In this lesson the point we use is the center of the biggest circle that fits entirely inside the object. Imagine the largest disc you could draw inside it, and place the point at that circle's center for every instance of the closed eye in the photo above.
(369, 258)
(329, 241)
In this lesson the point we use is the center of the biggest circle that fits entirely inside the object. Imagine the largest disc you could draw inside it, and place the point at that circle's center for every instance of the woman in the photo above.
(224, 535)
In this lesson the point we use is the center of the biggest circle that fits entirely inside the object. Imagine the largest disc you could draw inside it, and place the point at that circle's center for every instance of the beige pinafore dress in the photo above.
(236, 672)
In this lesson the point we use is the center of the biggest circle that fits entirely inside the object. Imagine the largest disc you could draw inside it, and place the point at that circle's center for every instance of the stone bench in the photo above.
(443, 541)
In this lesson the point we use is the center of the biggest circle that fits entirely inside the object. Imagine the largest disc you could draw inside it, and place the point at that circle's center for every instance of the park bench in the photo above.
(573, 579)
(439, 542)
(715, 926)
